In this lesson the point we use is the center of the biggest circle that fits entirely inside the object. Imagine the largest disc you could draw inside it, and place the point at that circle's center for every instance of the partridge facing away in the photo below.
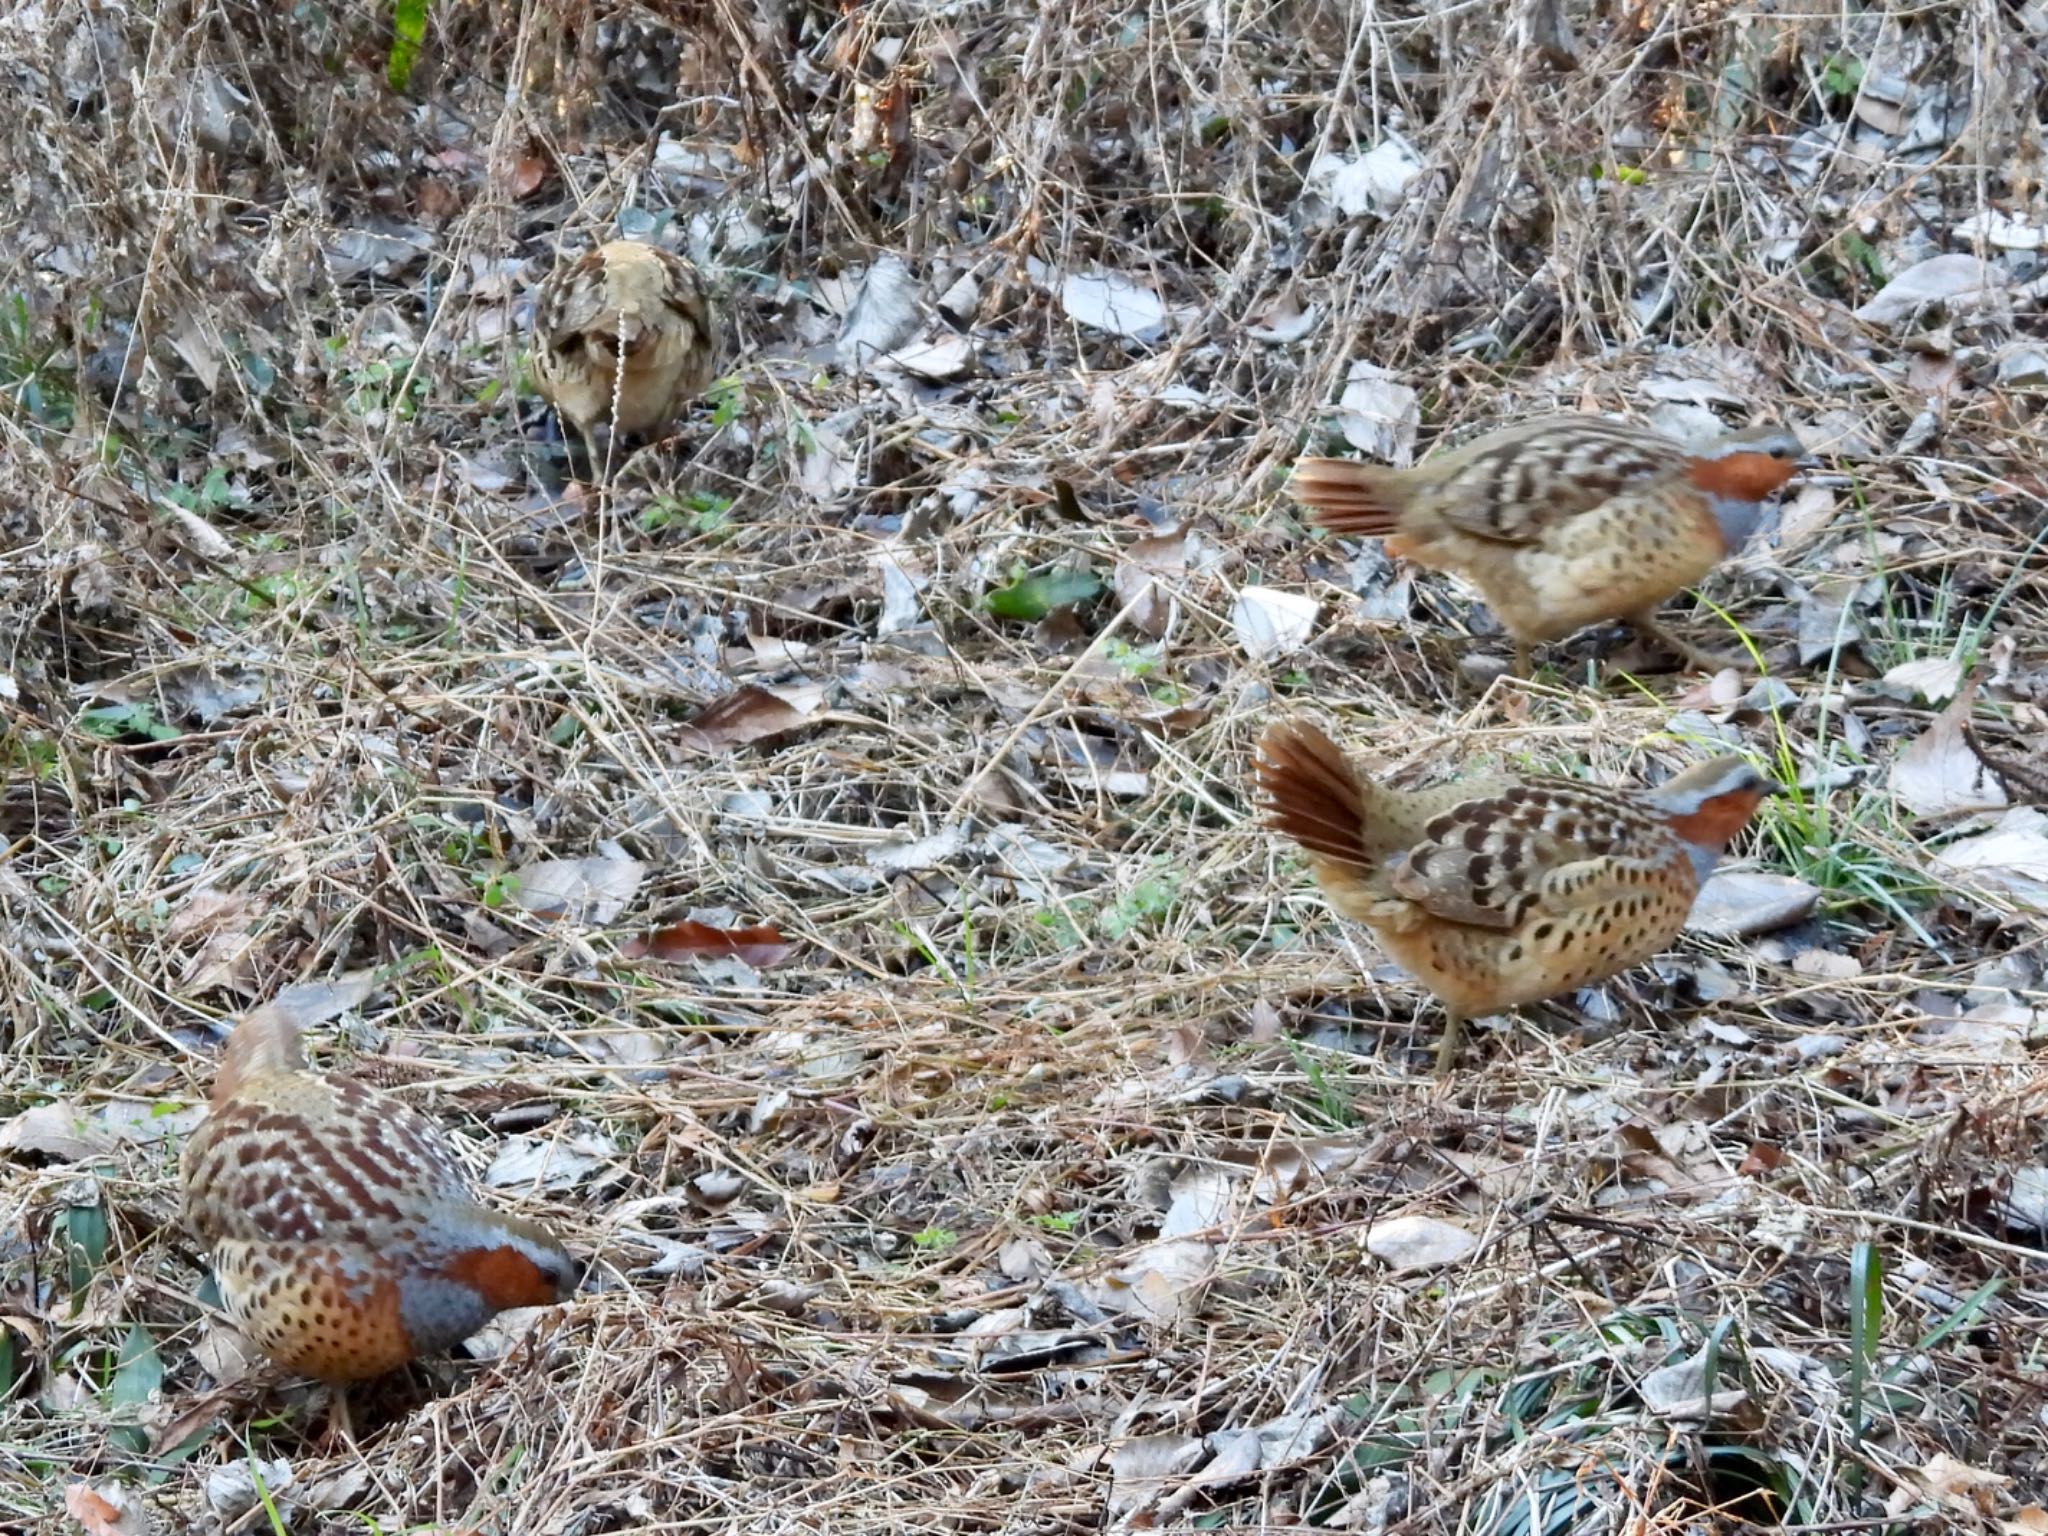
(623, 340)
(1504, 889)
(1563, 521)
(346, 1239)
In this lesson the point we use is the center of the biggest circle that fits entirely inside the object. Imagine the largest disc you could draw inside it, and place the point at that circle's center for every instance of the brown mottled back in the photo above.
(1503, 890)
(346, 1238)
(1563, 521)
(624, 339)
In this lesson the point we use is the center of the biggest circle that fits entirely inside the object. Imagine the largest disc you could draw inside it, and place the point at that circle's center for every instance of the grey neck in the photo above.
(1737, 518)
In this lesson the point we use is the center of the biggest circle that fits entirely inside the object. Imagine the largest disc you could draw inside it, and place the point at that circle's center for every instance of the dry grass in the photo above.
(301, 663)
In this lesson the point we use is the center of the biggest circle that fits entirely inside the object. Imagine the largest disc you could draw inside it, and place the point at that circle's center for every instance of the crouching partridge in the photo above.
(346, 1238)
(624, 340)
(1563, 521)
(1500, 890)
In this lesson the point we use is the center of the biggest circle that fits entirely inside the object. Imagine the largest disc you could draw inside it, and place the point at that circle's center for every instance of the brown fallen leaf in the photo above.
(1763, 1158)
(760, 947)
(527, 173)
(746, 715)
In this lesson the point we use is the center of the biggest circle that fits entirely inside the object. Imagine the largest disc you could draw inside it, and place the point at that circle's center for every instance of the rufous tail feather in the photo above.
(1348, 497)
(1312, 796)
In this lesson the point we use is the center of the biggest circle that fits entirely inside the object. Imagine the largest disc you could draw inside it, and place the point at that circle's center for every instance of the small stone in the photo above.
(1738, 903)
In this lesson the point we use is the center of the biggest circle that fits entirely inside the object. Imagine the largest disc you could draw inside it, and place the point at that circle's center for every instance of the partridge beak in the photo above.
(1807, 462)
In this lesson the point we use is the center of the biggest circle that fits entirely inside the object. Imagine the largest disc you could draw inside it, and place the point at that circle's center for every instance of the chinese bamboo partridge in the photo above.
(623, 341)
(346, 1239)
(1563, 521)
(1503, 889)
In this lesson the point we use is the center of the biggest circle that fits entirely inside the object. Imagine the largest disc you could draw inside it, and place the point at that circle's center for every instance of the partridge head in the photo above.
(346, 1237)
(1504, 889)
(624, 339)
(1563, 521)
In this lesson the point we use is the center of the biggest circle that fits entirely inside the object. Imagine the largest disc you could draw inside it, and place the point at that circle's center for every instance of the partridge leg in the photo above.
(340, 1433)
(1524, 654)
(1645, 624)
(1447, 1048)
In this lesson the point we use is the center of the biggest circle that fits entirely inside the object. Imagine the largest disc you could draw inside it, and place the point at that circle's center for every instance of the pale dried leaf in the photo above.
(1142, 1468)
(1939, 773)
(1272, 621)
(1952, 279)
(902, 581)
(1161, 1282)
(57, 1130)
(1375, 182)
(828, 467)
(1933, 679)
(1953, 1485)
(883, 315)
(547, 1162)
(231, 1487)
(937, 358)
(197, 534)
(1201, 1200)
(1828, 964)
(1113, 303)
(1805, 516)
(895, 858)
(2012, 858)
(1679, 1390)
(1418, 1242)
(309, 1004)
(592, 890)
(1378, 414)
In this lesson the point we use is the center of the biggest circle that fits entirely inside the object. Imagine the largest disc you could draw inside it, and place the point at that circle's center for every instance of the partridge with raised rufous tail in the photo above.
(1502, 889)
(624, 340)
(1563, 521)
(346, 1238)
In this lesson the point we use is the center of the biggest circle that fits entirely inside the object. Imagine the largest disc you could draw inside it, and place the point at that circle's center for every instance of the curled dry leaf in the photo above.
(1953, 1485)
(309, 1004)
(759, 947)
(1142, 577)
(547, 1162)
(524, 176)
(1378, 414)
(1375, 182)
(746, 715)
(1933, 679)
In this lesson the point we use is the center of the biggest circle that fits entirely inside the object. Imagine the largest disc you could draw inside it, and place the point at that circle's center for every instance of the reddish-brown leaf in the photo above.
(748, 714)
(760, 947)
(528, 172)
(1763, 1158)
